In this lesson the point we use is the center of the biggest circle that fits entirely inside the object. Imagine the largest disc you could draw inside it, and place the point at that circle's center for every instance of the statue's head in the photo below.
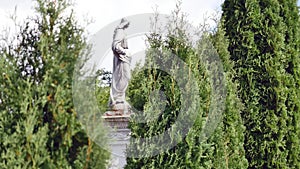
(124, 23)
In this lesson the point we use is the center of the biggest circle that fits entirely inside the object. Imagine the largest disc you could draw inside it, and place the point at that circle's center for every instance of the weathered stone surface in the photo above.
(118, 117)
(116, 120)
(121, 67)
(120, 135)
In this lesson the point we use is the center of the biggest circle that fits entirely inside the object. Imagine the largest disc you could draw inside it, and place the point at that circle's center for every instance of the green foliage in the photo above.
(202, 147)
(231, 142)
(103, 84)
(38, 126)
(264, 45)
(137, 89)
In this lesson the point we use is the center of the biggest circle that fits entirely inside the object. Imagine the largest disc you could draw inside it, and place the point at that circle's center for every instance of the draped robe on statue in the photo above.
(121, 70)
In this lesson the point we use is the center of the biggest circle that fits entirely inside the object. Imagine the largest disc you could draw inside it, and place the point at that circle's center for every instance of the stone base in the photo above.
(119, 109)
(117, 113)
(120, 135)
(116, 121)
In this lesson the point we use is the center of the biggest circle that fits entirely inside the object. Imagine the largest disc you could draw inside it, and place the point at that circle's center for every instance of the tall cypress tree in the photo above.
(223, 147)
(264, 45)
(38, 123)
(229, 151)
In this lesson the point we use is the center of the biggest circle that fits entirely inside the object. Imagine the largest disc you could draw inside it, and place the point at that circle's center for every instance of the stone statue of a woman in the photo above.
(121, 70)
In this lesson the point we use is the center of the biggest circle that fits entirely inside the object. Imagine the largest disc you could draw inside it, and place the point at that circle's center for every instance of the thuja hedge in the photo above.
(264, 46)
(223, 147)
(38, 123)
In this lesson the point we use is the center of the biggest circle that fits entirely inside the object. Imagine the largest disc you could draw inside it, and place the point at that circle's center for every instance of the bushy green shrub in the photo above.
(38, 126)
(202, 147)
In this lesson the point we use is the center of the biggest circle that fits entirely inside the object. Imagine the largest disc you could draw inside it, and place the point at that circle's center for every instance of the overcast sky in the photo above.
(104, 12)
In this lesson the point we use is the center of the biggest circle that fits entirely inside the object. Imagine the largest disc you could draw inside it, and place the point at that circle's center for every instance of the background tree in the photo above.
(264, 45)
(39, 126)
(103, 84)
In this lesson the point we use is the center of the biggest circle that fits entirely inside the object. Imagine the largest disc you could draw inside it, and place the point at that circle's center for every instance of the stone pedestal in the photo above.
(119, 135)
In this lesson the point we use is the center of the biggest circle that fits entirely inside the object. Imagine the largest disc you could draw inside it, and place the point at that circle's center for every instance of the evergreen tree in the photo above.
(38, 126)
(264, 45)
(229, 151)
(103, 84)
(223, 147)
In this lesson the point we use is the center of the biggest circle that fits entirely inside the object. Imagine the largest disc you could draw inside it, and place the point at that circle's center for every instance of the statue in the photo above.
(121, 70)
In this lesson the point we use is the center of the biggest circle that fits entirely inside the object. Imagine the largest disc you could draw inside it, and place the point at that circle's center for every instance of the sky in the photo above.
(104, 12)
